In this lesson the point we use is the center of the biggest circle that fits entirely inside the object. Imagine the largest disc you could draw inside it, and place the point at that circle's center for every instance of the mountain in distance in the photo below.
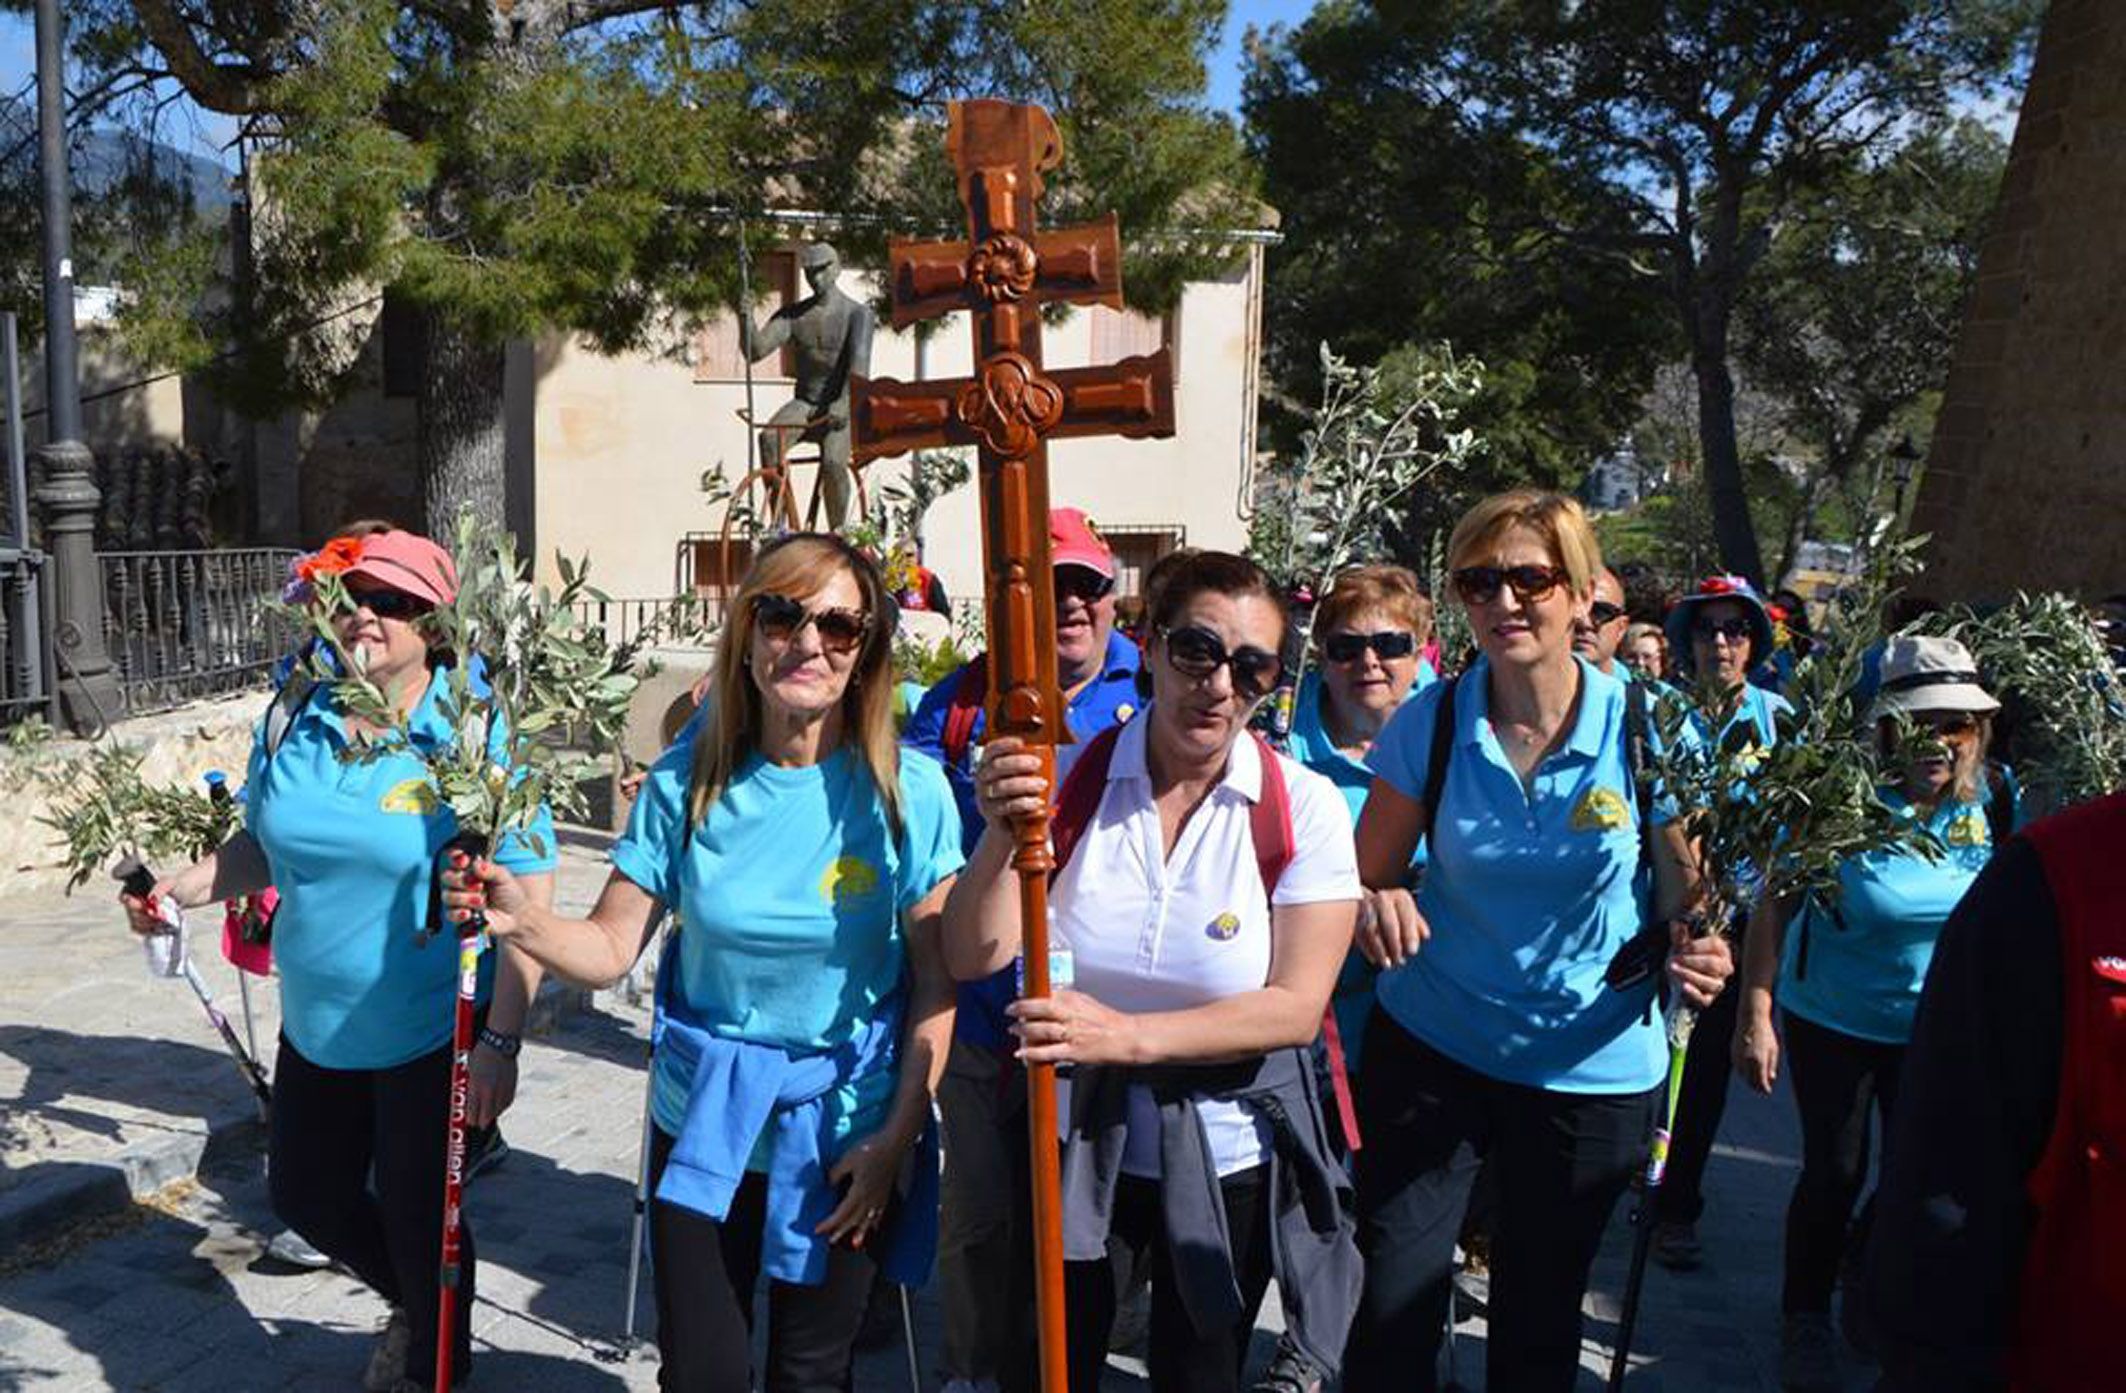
(101, 158)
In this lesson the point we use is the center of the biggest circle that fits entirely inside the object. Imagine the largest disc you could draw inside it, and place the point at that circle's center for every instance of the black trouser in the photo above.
(705, 1272)
(356, 1167)
(1700, 1105)
(1838, 1078)
(1182, 1358)
(1560, 1160)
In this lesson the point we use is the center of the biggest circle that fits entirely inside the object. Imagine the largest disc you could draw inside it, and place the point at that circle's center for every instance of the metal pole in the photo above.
(26, 608)
(69, 496)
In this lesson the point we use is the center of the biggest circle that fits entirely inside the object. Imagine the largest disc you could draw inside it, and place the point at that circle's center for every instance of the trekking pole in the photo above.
(472, 941)
(139, 881)
(1681, 1021)
(628, 1338)
(915, 1370)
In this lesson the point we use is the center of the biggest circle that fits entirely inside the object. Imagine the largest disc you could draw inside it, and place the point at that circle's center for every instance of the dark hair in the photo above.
(1218, 573)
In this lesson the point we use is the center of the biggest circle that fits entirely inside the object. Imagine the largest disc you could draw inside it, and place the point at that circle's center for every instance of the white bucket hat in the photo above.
(1929, 674)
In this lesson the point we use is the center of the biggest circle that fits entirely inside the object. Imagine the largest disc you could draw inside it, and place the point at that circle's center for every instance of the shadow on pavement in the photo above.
(160, 1076)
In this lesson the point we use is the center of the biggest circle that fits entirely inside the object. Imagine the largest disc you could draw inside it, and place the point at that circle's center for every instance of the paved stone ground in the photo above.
(100, 1067)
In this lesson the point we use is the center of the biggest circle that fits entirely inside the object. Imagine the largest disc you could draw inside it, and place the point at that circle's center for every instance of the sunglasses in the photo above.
(1197, 652)
(1076, 582)
(389, 604)
(1603, 612)
(1956, 725)
(1389, 643)
(1480, 585)
(778, 618)
(1739, 630)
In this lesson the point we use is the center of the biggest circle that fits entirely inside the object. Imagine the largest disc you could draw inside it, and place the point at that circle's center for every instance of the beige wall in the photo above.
(622, 443)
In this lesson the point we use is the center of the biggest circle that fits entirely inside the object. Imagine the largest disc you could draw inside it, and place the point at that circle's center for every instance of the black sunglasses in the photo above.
(1740, 630)
(1389, 643)
(1480, 585)
(1955, 724)
(1197, 652)
(1603, 612)
(1078, 582)
(388, 603)
(778, 618)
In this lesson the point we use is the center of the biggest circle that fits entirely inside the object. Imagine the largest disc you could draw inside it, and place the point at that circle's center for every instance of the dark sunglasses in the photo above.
(1740, 630)
(1076, 582)
(1955, 724)
(389, 604)
(1197, 652)
(1480, 585)
(778, 619)
(1603, 612)
(1389, 643)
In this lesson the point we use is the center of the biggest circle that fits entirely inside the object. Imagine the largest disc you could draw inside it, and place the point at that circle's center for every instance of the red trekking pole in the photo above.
(472, 941)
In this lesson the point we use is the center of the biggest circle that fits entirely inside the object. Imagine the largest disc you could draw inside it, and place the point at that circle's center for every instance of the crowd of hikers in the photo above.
(1360, 991)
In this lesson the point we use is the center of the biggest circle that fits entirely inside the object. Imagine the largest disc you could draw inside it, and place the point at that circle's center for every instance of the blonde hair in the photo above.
(797, 566)
(1968, 782)
(1393, 590)
(1557, 519)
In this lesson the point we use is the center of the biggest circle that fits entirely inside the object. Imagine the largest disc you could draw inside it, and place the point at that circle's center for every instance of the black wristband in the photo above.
(504, 1045)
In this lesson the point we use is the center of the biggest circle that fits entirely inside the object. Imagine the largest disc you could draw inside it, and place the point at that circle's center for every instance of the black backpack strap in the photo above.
(1442, 749)
(288, 703)
(2000, 805)
(1639, 763)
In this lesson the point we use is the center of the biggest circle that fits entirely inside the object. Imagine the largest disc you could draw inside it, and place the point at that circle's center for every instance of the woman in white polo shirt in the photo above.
(1198, 988)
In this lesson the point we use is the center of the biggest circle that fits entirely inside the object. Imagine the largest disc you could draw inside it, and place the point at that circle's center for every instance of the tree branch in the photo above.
(232, 89)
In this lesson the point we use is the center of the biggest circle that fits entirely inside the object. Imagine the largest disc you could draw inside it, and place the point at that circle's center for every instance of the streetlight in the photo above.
(1904, 463)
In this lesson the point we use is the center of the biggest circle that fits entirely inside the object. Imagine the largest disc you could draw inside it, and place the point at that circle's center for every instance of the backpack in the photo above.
(963, 708)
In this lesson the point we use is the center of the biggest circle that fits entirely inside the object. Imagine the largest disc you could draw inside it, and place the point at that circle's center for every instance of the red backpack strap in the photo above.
(968, 695)
(1079, 799)
(1270, 820)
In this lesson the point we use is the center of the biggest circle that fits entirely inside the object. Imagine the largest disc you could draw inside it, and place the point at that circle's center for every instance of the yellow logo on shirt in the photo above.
(1223, 927)
(1969, 829)
(848, 878)
(414, 796)
(1600, 810)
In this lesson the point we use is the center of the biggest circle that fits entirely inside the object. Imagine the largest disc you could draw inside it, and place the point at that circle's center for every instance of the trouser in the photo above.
(985, 1281)
(1182, 1357)
(1838, 1079)
(356, 1167)
(1700, 1104)
(705, 1272)
(1559, 1160)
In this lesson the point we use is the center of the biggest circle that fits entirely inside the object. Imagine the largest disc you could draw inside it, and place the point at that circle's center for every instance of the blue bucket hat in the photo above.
(1720, 587)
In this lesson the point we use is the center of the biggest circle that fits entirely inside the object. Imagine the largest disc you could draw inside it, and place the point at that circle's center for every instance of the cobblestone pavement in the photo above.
(174, 1293)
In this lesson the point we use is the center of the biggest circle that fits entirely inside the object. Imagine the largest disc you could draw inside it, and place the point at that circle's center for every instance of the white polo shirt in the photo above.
(1152, 933)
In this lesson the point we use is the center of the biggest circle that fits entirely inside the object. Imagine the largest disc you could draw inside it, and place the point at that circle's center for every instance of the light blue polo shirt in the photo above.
(1751, 726)
(352, 848)
(1864, 978)
(1529, 895)
(789, 896)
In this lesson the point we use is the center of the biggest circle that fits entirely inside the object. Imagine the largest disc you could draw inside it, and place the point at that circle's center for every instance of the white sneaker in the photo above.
(387, 1362)
(290, 1247)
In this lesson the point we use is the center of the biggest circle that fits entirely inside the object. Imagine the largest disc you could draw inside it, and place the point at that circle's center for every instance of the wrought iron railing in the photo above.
(25, 647)
(639, 623)
(186, 624)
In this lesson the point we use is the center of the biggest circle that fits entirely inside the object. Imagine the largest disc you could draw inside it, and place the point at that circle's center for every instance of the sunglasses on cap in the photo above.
(1738, 629)
(1389, 643)
(386, 603)
(1082, 583)
(778, 618)
(1480, 585)
(1603, 612)
(1197, 652)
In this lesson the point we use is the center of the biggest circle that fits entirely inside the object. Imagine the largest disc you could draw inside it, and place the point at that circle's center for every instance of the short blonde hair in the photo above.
(1393, 590)
(1557, 519)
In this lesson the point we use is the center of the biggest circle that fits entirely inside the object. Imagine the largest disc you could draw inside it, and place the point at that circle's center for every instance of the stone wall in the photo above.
(2025, 486)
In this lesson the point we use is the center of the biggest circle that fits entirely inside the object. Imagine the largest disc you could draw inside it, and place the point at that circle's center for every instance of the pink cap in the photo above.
(408, 563)
(1073, 540)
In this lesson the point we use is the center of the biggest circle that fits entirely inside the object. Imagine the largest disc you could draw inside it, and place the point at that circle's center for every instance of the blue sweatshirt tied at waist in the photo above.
(741, 1090)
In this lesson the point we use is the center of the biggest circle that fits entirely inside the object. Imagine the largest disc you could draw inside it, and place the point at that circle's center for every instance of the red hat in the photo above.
(1073, 540)
(408, 563)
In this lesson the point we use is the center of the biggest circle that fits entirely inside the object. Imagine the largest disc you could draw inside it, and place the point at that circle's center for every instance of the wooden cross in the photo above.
(1003, 273)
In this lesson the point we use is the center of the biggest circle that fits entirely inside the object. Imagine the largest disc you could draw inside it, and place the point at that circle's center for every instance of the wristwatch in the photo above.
(504, 1045)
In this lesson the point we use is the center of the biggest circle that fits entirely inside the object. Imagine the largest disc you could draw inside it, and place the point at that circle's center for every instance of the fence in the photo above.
(25, 647)
(648, 622)
(186, 624)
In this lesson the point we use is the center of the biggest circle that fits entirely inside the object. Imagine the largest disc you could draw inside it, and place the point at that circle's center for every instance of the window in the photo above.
(1119, 334)
(716, 355)
(1137, 549)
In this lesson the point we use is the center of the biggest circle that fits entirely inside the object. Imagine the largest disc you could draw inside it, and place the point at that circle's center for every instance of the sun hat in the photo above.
(1073, 540)
(408, 563)
(1920, 673)
(1683, 615)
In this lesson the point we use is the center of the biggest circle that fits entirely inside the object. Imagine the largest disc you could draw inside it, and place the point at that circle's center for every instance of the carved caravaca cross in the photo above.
(1004, 272)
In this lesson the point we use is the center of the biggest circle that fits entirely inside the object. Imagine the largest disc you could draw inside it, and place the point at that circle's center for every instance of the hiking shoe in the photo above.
(1808, 1356)
(387, 1362)
(1289, 1371)
(485, 1149)
(292, 1248)
(1676, 1246)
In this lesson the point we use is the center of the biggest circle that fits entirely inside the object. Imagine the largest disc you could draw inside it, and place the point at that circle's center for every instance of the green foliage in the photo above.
(101, 806)
(2043, 657)
(548, 673)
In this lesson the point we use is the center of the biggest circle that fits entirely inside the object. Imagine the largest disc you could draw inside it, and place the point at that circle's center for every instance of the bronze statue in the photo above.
(830, 336)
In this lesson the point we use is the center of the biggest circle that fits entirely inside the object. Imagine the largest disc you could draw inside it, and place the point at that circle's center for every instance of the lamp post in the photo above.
(68, 496)
(1904, 463)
